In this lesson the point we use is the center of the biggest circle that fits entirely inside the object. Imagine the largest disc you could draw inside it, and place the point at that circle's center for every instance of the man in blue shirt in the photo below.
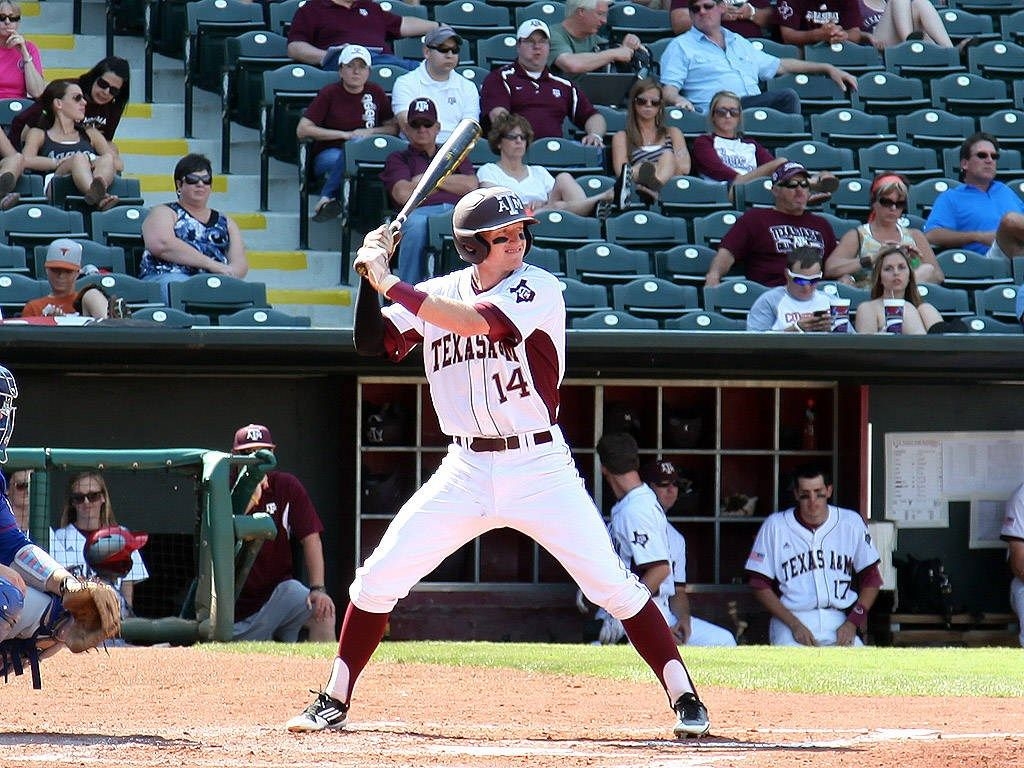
(708, 58)
(982, 214)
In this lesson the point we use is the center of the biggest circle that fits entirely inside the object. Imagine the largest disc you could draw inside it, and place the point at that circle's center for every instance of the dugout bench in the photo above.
(970, 630)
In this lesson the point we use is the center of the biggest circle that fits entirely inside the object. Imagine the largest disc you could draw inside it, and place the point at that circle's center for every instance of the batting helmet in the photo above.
(11, 604)
(108, 551)
(8, 393)
(484, 210)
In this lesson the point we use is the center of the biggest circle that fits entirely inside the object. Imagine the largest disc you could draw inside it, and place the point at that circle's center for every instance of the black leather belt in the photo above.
(486, 444)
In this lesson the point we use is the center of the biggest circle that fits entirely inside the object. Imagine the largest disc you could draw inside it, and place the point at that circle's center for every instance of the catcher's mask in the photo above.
(484, 210)
(108, 551)
(8, 392)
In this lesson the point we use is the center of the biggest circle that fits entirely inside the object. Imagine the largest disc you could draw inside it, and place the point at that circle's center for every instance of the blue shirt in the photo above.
(695, 65)
(967, 208)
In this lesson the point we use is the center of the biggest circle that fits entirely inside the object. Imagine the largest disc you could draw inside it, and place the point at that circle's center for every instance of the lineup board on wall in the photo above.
(924, 471)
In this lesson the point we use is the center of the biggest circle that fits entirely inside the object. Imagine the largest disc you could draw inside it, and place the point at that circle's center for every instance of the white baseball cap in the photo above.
(352, 52)
(530, 26)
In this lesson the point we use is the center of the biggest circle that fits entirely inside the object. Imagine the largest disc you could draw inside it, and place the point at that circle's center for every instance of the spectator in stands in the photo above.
(806, 22)
(891, 22)
(189, 237)
(63, 145)
(725, 154)
(649, 151)
(18, 486)
(528, 88)
(63, 265)
(707, 59)
(853, 259)
(401, 172)
(347, 110)
(750, 19)
(273, 603)
(982, 214)
(893, 278)
(12, 163)
(762, 238)
(455, 96)
(321, 27)
(87, 508)
(21, 68)
(576, 46)
(798, 306)
(106, 87)
(510, 136)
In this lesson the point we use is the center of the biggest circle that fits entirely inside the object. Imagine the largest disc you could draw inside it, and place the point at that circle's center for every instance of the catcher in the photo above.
(42, 606)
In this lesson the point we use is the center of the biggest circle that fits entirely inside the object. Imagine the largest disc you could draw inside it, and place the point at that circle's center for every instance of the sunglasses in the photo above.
(13, 19)
(803, 184)
(76, 98)
(987, 155)
(439, 49)
(92, 497)
(888, 202)
(514, 136)
(804, 279)
(647, 102)
(195, 178)
(21, 486)
(113, 90)
(728, 111)
(698, 7)
(418, 124)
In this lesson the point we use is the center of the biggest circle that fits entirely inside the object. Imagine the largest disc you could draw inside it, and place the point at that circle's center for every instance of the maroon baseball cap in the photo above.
(252, 436)
(659, 471)
(422, 110)
(787, 171)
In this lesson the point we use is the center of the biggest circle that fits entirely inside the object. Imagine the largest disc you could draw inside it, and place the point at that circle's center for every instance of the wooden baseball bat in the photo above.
(448, 157)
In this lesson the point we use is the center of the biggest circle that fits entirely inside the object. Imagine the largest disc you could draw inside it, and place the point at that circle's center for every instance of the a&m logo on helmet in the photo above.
(509, 203)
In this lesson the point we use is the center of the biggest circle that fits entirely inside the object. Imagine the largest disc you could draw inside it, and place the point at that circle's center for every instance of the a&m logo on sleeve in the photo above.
(522, 292)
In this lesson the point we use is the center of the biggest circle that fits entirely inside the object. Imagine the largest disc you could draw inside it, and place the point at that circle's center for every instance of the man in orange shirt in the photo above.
(63, 263)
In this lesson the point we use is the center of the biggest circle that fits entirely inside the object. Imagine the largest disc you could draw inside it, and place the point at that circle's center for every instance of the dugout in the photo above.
(153, 388)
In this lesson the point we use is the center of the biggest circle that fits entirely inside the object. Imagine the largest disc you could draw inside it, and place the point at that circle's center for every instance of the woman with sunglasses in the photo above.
(893, 278)
(648, 152)
(106, 89)
(189, 237)
(21, 68)
(856, 253)
(87, 508)
(63, 145)
(509, 137)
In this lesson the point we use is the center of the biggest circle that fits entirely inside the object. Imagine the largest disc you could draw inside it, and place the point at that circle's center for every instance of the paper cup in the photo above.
(893, 311)
(840, 310)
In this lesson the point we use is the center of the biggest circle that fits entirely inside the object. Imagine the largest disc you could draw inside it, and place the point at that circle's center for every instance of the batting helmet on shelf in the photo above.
(484, 210)
(619, 417)
(383, 492)
(8, 394)
(384, 425)
(108, 551)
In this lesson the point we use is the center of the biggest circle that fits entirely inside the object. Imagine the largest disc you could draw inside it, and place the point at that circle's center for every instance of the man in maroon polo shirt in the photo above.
(763, 237)
(528, 88)
(320, 24)
(403, 169)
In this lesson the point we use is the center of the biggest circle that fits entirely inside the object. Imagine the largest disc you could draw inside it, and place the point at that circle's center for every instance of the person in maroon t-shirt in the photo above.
(803, 22)
(528, 88)
(403, 169)
(749, 19)
(348, 110)
(320, 24)
(273, 604)
(763, 237)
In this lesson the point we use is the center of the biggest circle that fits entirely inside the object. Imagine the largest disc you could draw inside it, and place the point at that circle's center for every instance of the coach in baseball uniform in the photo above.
(814, 567)
(1013, 534)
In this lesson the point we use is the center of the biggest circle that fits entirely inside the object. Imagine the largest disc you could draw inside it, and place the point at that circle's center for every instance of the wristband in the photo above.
(858, 615)
(409, 296)
(317, 588)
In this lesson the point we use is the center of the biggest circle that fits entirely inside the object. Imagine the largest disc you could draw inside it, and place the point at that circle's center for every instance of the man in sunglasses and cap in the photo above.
(798, 306)
(763, 238)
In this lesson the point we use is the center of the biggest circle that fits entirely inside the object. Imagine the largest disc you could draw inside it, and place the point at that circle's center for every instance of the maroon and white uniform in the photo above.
(503, 384)
(762, 238)
(1013, 531)
(814, 570)
(544, 102)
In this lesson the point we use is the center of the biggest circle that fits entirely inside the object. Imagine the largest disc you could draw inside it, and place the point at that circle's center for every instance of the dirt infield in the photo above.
(205, 709)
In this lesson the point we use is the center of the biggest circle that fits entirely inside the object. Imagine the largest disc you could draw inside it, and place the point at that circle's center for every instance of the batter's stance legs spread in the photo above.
(493, 344)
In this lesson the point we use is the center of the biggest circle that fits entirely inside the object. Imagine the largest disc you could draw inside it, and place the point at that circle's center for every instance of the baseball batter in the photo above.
(1013, 534)
(814, 568)
(493, 339)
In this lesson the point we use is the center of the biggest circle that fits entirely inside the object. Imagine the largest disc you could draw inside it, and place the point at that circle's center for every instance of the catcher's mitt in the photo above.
(96, 610)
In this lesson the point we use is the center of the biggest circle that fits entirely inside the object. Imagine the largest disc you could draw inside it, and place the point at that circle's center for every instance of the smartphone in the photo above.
(820, 312)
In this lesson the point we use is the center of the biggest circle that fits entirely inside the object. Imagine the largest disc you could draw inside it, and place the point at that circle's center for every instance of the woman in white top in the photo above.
(509, 137)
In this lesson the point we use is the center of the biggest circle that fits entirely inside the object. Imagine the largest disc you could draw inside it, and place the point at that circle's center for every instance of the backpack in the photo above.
(924, 587)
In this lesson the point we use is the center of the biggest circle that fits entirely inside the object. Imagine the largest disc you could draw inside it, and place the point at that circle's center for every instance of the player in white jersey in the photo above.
(649, 544)
(814, 568)
(493, 338)
(1013, 534)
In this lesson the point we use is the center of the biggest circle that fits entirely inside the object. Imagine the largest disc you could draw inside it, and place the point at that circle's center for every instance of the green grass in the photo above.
(985, 672)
